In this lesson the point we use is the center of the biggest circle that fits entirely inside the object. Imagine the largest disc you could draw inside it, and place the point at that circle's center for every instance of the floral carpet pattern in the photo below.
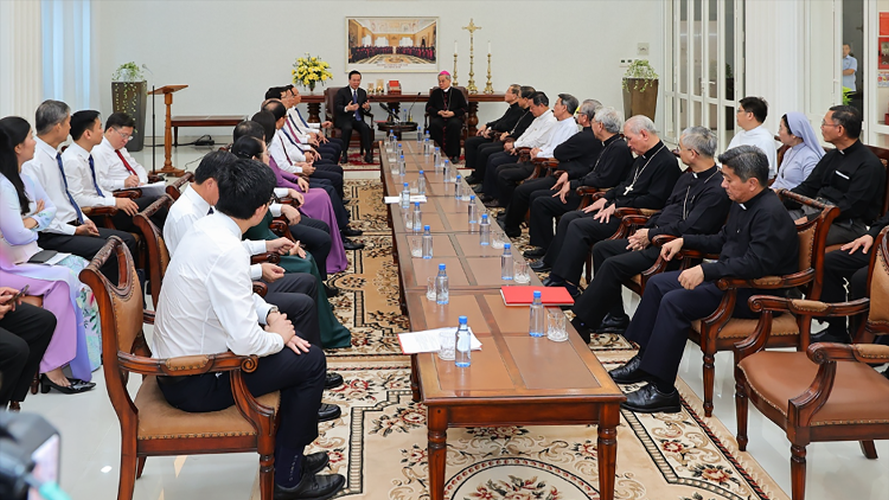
(379, 442)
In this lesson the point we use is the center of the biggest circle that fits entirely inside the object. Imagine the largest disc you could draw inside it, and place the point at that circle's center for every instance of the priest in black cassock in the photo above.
(446, 107)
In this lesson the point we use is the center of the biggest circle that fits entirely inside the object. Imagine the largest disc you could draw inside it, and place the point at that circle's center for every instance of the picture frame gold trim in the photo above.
(422, 32)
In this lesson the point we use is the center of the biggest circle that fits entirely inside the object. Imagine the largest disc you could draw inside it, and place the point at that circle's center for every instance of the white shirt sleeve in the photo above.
(32, 168)
(80, 183)
(276, 151)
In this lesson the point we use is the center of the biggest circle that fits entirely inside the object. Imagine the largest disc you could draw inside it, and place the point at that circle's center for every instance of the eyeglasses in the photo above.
(825, 124)
(125, 137)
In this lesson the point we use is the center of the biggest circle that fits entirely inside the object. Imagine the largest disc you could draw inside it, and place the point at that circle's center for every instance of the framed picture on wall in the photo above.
(392, 44)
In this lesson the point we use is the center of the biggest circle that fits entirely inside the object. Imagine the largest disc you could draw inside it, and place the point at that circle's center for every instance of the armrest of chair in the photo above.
(186, 365)
(543, 167)
(131, 193)
(260, 288)
(768, 282)
(662, 239)
(281, 229)
(270, 257)
(155, 178)
(99, 211)
(148, 317)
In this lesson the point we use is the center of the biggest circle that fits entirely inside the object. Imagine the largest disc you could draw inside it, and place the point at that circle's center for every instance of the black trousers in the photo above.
(575, 237)
(544, 210)
(339, 209)
(329, 151)
(470, 151)
(509, 176)
(88, 246)
(332, 172)
(446, 133)
(661, 322)
(300, 378)
(484, 153)
(489, 185)
(613, 264)
(315, 234)
(840, 266)
(521, 200)
(346, 125)
(24, 335)
(296, 294)
(124, 221)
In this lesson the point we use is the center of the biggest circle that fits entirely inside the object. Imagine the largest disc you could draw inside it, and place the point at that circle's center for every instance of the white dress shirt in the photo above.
(559, 133)
(191, 207)
(536, 134)
(17, 242)
(207, 304)
(296, 119)
(764, 140)
(44, 169)
(285, 153)
(110, 169)
(81, 177)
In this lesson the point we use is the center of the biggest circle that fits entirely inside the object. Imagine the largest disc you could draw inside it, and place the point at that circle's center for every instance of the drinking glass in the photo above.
(416, 247)
(430, 288)
(557, 326)
(521, 274)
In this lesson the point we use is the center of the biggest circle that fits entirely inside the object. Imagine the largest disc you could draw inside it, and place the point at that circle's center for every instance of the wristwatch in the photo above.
(272, 309)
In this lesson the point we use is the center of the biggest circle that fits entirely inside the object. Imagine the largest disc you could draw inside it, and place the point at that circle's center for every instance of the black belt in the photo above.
(165, 380)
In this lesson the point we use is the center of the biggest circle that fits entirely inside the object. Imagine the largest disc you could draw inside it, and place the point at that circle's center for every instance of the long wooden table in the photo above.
(514, 379)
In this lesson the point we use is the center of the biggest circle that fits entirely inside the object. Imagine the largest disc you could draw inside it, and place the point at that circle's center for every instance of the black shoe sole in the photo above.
(656, 409)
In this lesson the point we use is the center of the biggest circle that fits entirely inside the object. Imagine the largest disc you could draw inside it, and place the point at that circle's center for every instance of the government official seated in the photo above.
(648, 185)
(492, 130)
(575, 155)
(752, 113)
(480, 164)
(207, 306)
(350, 105)
(608, 169)
(446, 107)
(83, 182)
(511, 174)
(70, 230)
(758, 239)
(850, 177)
(697, 205)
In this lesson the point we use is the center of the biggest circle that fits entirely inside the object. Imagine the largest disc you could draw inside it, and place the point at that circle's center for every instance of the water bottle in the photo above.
(400, 149)
(441, 285)
(446, 167)
(462, 357)
(427, 150)
(406, 196)
(506, 268)
(473, 214)
(421, 184)
(458, 188)
(402, 166)
(447, 341)
(427, 243)
(484, 231)
(538, 317)
(419, 138)
(436, 159)
(418, 218)
(426, 135)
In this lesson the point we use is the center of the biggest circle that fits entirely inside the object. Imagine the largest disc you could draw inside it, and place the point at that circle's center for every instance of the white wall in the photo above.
(230, 52)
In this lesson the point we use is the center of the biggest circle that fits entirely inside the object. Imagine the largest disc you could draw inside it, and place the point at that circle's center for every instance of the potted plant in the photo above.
(129, 92)
(640, 84)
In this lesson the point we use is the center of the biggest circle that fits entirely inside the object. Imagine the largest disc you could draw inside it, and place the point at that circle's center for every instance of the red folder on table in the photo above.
(524, 295)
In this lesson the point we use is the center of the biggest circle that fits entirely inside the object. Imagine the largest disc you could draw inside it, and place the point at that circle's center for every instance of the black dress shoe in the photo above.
(455, 160)
(369, 158)
(612, 324)
(76, 386)
(328, 412)
(345, 158)
(312, 487)
(534, 253)
(540, 266)
(333, 380)
(351, 232)
(477, 189)
(584, 331)
(553, 281)
(352, 245)
(828, 336)
(629, 373)
(649, 399)
(493, 203)
(346, 201)
(315, 462)
(472, 179)
(331, 291)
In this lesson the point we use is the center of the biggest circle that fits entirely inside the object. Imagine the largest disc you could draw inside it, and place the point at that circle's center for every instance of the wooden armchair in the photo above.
(174, 189)
(330, 115)
(824, 391)
(720, 331)
(465, 129)
(630, 220)
(149, 425)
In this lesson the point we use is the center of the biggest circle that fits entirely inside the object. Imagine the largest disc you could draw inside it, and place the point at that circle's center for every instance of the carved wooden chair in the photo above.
(149, 425)
(175, 188)
(720, 331)
(465, 130)
(330, 115)
(824, 391)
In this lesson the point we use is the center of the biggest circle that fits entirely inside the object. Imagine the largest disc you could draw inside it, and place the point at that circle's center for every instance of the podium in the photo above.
(167, 91)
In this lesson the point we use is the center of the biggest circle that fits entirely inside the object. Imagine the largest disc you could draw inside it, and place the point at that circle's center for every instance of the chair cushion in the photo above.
(159, 420)
(860, 394)
(738, 328)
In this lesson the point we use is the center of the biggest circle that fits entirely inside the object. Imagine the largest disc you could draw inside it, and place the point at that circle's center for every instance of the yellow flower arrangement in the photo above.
(309, 71)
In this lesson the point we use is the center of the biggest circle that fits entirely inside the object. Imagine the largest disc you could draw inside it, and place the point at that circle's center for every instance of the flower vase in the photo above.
(311, 87)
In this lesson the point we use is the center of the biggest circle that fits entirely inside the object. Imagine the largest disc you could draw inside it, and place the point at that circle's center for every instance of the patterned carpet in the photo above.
(379, 443)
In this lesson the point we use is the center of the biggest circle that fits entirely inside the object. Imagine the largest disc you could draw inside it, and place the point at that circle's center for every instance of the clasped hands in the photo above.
(562, 188)
(277, 322)
(445, 113)
(690, 278)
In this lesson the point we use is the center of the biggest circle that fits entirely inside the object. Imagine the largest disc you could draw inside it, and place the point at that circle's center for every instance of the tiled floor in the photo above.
(90, 439)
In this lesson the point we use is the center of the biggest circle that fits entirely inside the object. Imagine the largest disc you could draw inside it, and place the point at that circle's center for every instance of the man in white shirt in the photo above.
(309, 133)
(115, 167)
(80, 170)
(70, 231)
(207, 306)
(535, 136)
(752, 113)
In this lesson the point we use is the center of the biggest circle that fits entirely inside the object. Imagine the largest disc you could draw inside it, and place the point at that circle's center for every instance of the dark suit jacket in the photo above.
(456, 102)
(342, 99)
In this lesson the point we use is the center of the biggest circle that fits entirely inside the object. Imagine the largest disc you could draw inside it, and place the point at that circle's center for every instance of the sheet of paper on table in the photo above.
(427, 341)
(391, 200)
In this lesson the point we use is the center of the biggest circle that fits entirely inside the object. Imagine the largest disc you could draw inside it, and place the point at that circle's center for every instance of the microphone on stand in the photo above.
(153, 124)
(392, 117)
(411, 107)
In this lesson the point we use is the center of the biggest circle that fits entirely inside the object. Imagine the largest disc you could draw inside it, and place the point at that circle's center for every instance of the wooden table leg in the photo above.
(609, 417)
(437, 450)
(415, 382)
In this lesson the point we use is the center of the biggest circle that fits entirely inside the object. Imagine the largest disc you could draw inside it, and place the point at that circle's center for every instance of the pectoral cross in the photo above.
(628, 189)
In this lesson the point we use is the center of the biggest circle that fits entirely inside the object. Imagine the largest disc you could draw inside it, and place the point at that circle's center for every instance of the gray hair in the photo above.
(746, 162)
(701, 139)
(446, 75)
(49, 114)
(570, 102)
(638, 123)
(590, 107)
(610, 119)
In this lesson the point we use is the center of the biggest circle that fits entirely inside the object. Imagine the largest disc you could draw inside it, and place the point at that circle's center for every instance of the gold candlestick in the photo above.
(454, 74)
(472, 28)
(489, 89)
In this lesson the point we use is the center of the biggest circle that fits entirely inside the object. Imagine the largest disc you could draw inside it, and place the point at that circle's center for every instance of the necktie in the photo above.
(93, 171)
(355, 101)
(125, 164)
(65, 183)
(210, 212)
(301, 118)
